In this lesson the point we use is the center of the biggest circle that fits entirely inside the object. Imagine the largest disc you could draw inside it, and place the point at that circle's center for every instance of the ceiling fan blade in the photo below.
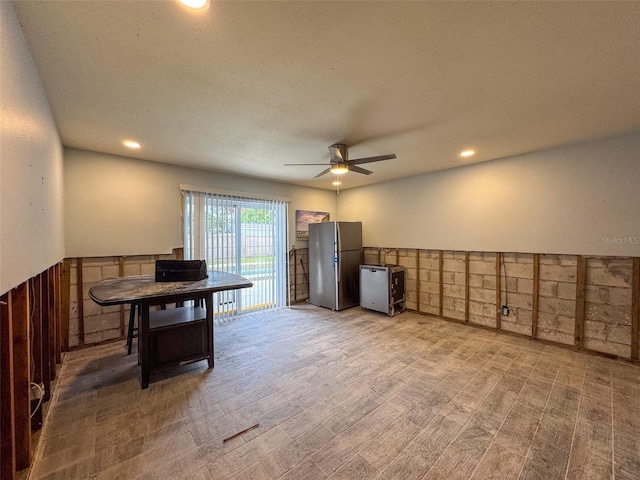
(379, 158)
(324, 172)
(298, 164)
(353, 168)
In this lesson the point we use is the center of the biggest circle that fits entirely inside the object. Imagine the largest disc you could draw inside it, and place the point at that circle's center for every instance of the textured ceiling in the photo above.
(247, 86)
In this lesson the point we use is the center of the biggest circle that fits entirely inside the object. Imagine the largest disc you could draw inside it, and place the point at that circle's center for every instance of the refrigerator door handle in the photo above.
(336, 270)
(336, 259)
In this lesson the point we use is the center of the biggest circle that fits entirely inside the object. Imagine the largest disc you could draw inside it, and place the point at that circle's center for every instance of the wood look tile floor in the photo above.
(347, 395)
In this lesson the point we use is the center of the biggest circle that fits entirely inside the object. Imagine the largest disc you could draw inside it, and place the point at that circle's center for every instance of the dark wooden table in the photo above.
(169, 338)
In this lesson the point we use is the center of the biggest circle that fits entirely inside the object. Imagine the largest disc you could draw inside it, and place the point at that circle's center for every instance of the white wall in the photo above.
(123, 206)
(579, 199)
(31, 164)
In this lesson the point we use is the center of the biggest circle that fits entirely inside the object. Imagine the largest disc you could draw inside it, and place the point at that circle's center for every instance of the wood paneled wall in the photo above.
(89, 323)
(33, 335)
(298, 275)
(587, 303)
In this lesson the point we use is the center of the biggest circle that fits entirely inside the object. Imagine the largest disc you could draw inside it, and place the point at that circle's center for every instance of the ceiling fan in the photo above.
(339, 162)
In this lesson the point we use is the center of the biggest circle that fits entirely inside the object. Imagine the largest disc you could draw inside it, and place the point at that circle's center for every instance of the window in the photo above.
(240, 235)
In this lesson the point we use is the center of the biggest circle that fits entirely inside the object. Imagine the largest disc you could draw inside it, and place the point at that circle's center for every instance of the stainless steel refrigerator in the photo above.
(335, 255)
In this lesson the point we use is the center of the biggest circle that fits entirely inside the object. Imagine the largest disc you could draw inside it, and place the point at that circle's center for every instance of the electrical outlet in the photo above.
(505, 310)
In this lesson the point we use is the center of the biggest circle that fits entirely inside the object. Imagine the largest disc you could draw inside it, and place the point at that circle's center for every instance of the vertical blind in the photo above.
(240, 235)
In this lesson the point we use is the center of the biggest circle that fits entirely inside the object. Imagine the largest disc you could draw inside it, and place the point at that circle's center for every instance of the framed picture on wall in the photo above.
(304, 218)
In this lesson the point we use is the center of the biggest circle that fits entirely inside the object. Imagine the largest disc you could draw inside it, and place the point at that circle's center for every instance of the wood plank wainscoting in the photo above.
(89, 323)
(589, 303)
(585, 303)
(34, 334)
(40, 320)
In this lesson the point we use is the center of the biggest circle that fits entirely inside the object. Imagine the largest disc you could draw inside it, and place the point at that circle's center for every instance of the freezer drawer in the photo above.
(382, 288)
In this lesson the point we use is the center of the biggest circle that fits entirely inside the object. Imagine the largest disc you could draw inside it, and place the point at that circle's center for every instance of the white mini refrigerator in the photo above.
(382, 288)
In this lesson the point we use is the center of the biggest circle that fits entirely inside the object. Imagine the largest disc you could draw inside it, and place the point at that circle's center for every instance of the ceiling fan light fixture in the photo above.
(339, 162)
(339, 168)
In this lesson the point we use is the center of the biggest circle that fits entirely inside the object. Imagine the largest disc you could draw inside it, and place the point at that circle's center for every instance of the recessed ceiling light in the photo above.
(468, 153)
(196, 4)
(131, 144)
(337, 181)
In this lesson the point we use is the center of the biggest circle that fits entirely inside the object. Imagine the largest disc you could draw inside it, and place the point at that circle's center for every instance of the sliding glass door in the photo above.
(239, 235)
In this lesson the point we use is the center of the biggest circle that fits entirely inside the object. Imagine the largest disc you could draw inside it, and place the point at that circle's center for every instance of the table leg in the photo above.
(210, 330)
(132, 318)
(143, 345)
